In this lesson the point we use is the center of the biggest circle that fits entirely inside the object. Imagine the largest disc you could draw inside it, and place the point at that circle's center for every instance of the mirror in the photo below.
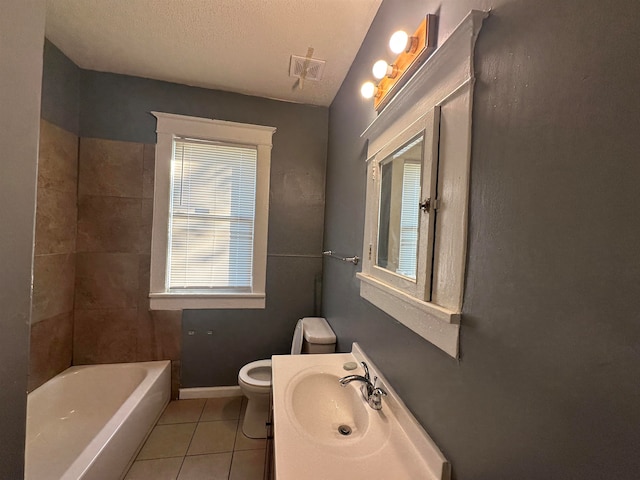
(399, 209)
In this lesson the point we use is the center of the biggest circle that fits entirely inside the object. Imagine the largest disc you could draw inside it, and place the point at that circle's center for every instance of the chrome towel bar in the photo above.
(330, 253)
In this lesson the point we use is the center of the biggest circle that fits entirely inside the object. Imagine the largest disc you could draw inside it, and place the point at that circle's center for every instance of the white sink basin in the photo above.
(311, 408)
(337, 417)
(320, 406)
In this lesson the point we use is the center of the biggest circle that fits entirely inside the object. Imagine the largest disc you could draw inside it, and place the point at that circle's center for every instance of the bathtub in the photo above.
(89, 421)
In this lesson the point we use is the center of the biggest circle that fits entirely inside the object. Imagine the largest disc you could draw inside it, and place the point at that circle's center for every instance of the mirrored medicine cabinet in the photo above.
(418, 163)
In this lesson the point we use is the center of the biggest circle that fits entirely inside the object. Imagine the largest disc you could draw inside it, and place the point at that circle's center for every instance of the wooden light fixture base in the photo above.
(423, 45)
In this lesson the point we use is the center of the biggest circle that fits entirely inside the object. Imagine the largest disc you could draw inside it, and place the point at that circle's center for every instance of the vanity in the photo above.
(323, 429)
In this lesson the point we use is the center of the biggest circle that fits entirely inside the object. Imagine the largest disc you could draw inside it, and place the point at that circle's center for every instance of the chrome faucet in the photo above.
(371, 394)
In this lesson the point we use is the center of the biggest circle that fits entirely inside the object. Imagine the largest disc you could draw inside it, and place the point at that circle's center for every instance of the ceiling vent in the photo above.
(314, 68)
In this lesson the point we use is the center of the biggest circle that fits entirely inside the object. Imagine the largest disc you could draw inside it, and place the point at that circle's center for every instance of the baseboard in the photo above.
(210, 392)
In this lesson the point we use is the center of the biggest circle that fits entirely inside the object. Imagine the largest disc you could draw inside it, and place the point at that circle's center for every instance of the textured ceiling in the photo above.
(234, 45)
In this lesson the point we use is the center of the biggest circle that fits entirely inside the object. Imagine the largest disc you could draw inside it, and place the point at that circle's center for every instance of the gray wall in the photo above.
(21, 37)
(117, 107)
(547, 383)
(60, 89)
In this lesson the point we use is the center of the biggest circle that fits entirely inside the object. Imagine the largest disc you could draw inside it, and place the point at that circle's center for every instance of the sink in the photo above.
(323, 430)
(325, 411)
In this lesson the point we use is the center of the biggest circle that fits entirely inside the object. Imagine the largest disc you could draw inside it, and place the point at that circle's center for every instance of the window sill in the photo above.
(186, 301)
(436, 324)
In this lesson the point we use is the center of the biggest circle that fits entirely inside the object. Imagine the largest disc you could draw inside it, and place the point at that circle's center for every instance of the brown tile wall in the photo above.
(92, 255)
(112, 318)
(54, 255)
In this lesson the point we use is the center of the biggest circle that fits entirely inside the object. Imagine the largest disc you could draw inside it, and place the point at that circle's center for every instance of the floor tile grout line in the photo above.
(204, 406)
(180, 469)
(187, 450)
(235, 441)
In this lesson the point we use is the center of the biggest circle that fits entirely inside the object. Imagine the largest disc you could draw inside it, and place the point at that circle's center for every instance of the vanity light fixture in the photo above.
(382, 69)
(368, 89)
(401, 42)
(412, 53)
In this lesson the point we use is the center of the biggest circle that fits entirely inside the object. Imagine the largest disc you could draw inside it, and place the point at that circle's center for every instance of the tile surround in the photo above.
(95, 197)
(51, 348)
(106, 280)
(148, 170)
(57, 159)
(56, 214)
(109, 224)
(104, 335)
(110, 168)
(168, 332)
(53, 279)
(54, 255)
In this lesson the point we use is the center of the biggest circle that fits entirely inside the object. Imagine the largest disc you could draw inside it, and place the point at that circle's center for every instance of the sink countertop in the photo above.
(388, 443)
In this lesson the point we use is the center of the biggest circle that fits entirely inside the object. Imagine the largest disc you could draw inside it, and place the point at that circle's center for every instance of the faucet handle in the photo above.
(377, 390)
(366, 370)
(375, 398)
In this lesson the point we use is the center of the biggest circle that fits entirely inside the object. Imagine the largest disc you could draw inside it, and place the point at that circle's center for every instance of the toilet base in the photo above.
(254, 424)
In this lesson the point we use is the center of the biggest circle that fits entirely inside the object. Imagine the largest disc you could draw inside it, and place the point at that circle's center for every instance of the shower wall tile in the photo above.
(53, 285)
(109, 224)
(56, 214)
(106, 280)
(115, 214)
(54, 255)
(57, 159)
(145, 337)
(146, 223)
(110, 168)
(159, 335)
(51, 348)
(168, 333)
(144, 266)
(105, 336)
(148, 170)
(175, 378)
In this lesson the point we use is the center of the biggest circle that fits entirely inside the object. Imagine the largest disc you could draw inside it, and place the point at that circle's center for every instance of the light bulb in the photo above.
(398, 41)
(380, 69)
(368, 89)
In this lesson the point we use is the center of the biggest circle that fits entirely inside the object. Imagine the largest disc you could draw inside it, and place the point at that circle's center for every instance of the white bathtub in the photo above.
(89, 421)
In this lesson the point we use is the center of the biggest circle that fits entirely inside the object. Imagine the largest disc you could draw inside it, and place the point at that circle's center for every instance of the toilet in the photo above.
(311, 335)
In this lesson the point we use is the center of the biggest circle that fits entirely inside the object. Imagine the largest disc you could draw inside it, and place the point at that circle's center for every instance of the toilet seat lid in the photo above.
(298, 334)
(245, 373)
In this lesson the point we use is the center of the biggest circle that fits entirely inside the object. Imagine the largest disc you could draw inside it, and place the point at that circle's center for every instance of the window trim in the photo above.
(168, 127)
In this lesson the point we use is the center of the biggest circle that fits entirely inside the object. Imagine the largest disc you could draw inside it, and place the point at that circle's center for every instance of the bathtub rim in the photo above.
(158, 375)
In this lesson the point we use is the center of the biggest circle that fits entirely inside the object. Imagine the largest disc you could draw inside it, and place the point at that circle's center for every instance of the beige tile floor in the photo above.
(200, 439)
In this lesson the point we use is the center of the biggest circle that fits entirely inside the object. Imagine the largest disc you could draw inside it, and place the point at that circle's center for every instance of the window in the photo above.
(210, 215)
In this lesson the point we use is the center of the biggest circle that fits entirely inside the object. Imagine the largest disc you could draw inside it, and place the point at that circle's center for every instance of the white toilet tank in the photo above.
(317, 336)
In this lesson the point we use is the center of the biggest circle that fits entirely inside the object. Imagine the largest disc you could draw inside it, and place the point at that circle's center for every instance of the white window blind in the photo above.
(409, 219)
(211, 222)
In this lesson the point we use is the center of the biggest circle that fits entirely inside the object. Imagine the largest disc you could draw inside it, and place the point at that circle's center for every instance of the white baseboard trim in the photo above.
(210, 392)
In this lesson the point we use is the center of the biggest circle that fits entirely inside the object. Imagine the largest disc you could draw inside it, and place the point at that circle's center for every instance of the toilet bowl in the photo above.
(311, 335)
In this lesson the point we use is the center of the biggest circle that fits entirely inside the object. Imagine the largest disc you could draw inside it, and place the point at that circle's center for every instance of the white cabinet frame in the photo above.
(445, 83)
